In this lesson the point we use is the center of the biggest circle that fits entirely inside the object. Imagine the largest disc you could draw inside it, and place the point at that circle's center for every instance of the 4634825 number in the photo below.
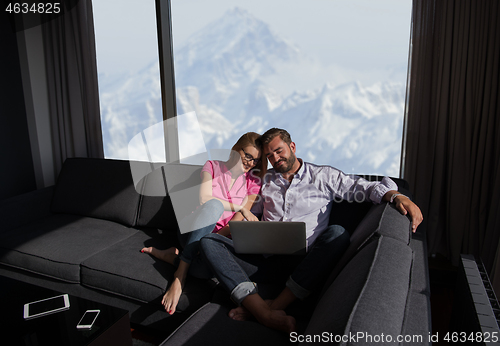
(462, 337)
(40, 7)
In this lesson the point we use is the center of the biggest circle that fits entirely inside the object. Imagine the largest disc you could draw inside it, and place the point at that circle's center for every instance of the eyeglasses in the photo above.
(249, 158)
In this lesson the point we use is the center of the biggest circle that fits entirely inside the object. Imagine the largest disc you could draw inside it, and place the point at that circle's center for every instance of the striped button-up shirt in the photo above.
(311, 193)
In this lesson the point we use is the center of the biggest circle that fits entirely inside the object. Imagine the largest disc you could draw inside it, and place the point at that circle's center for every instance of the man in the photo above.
(294, 191)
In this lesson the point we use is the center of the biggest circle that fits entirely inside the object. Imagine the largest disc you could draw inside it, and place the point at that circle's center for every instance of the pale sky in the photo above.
(344, 32)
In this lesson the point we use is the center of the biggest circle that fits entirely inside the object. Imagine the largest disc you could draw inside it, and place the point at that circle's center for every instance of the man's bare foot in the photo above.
(242, 314)
(171, 298)
(168, 255)
(279, 320)
(261, 310)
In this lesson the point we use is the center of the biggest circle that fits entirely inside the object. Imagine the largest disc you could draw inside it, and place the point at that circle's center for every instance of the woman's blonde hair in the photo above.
(253, 139)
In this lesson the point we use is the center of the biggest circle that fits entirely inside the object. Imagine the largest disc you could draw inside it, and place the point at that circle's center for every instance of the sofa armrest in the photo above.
(26, 208)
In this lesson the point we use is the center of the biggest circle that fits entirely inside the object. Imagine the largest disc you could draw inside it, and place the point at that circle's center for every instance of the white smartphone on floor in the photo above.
(88, 319)
(46, 306)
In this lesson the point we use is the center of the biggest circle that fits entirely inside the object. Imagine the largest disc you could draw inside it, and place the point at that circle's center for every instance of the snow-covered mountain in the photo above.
(227, 56)
(222, 72)
(129, 105)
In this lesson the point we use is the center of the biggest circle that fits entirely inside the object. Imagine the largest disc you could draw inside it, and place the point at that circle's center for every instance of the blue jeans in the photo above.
(200, 223)
(238, 272)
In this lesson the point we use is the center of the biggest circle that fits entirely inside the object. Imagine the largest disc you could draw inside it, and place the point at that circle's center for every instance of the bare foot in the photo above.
(275, 319)
(171, 298)
(168, 255)
(279, 320)
(242, 314)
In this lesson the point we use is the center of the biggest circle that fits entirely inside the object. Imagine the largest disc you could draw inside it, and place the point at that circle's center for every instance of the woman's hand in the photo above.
(247, 214)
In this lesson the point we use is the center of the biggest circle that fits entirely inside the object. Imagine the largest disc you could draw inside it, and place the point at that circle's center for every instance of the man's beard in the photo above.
(288, 164)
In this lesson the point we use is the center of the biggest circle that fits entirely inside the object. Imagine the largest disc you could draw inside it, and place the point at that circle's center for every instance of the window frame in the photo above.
(167, 80)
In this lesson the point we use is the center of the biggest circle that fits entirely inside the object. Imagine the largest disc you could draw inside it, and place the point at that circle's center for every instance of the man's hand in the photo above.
(407, 207)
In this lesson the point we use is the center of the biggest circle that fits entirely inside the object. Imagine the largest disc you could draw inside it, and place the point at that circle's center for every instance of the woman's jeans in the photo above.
(200, 223)
(238, 272)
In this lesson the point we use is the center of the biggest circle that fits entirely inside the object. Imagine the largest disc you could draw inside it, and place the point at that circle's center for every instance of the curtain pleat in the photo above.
(71, 67)
(452, 157)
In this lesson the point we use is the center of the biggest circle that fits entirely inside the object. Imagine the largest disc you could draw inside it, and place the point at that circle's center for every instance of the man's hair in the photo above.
(269, 135)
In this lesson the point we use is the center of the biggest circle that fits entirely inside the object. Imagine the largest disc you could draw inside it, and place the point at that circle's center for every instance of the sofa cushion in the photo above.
(210, 325)
(369, 295)
(99, 188)
(417, 323)
(56, 245)
(123, 269)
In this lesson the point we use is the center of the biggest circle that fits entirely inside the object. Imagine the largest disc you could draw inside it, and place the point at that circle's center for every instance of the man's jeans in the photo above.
(202, 222)
(238, 272)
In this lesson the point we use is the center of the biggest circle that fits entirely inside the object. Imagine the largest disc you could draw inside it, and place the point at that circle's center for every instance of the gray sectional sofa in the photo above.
(83, 237)
(378, 294)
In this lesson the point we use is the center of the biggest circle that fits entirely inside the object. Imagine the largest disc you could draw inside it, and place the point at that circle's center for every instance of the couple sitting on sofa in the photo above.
(292, 191)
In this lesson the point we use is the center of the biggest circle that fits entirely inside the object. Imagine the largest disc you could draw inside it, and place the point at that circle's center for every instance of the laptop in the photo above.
(269, 237)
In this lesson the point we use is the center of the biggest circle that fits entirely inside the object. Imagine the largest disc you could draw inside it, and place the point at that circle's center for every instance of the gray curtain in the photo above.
(452, 154)
(71, 67)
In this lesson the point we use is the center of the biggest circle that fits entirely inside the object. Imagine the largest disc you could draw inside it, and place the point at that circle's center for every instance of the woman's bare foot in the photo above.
(171, 298)
(168, 255)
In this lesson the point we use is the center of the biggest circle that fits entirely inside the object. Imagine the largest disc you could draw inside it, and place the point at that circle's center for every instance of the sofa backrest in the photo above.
(369, 288)
(348, 214)
(168, 194)
(382, 219)
(155, 208)
(183, 183)
(369, 296)
(99, 188)
(104, 189)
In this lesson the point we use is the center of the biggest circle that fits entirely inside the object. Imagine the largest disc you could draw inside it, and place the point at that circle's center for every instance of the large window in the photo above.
(129, 82)
(333, 73)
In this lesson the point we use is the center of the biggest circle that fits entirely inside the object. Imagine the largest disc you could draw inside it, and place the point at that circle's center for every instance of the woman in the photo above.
(227, 192)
